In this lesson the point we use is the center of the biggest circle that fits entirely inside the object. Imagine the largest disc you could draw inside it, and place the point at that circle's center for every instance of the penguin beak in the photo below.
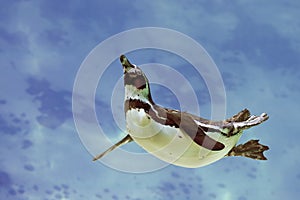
(126, 64)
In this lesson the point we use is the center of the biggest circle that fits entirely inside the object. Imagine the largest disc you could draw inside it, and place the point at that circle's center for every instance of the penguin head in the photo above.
(135, 81)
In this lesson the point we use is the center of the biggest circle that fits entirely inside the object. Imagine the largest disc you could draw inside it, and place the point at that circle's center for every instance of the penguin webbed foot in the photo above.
(249, 120)
(251, 149)
(256, 120)
(240, 117)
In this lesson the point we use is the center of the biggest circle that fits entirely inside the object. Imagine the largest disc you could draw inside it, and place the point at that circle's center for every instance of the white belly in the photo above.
(171, 144)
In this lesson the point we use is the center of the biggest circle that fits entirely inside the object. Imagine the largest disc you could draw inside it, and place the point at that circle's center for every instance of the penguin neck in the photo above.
(143, 95)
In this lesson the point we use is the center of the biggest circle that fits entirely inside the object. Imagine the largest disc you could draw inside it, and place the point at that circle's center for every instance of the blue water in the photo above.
(255, 45)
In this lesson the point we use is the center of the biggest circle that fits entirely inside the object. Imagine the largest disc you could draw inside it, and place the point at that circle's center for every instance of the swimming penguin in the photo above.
(181, 138)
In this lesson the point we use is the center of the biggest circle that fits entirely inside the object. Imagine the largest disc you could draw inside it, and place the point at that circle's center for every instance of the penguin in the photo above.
(178, 137)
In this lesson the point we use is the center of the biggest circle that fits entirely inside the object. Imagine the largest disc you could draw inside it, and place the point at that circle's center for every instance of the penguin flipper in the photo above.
(125, 140)
(251, 149)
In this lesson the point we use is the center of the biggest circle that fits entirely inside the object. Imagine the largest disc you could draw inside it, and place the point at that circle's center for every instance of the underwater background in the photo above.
(255, 44)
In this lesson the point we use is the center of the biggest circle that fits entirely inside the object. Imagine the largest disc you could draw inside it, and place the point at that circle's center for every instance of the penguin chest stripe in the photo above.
(176, 119)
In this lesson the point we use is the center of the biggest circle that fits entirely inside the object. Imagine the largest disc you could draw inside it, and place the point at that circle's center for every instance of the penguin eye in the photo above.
(138, 72)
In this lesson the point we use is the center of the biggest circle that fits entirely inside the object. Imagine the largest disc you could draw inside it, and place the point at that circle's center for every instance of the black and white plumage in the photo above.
(179, 137)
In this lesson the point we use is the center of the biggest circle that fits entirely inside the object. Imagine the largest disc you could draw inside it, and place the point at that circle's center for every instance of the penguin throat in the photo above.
(131, 92)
